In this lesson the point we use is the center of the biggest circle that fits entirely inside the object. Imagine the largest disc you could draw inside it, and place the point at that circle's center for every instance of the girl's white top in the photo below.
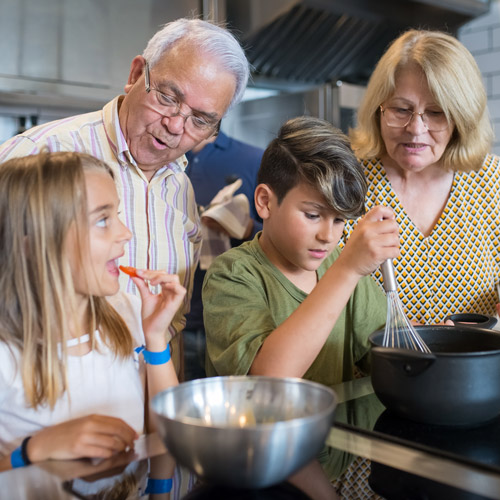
(98, 383)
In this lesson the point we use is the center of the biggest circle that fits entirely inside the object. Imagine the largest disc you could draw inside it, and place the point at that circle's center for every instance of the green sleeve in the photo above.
(236, 315)
(367, 312)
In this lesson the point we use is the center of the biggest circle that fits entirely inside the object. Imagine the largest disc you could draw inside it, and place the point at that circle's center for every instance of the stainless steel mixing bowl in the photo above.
(247, 432)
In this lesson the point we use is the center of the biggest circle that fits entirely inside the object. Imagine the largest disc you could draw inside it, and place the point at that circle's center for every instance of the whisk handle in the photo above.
(387, 269)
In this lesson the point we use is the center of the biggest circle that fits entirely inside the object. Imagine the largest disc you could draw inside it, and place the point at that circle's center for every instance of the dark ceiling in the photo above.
(319, 41)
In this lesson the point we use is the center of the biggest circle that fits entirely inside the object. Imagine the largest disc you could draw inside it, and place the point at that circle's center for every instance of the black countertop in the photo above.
(409, 461)
(412, 460)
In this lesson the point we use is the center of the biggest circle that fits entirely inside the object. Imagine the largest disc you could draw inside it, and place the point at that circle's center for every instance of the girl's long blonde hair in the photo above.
(41, 198)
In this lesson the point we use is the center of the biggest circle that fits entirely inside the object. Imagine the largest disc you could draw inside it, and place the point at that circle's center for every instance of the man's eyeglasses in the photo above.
(434, 121)
(169, 105)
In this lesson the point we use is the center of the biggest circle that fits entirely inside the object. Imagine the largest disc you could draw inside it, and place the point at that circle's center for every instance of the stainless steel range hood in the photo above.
(319, 41)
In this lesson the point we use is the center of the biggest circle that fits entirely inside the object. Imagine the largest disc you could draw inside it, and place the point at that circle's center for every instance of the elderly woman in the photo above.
(424, 136)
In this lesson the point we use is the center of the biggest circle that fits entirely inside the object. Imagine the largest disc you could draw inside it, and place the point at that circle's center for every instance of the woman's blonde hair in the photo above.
(455, 82)
(41, 198)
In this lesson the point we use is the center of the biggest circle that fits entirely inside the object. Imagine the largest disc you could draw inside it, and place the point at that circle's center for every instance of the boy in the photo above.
(289, 303)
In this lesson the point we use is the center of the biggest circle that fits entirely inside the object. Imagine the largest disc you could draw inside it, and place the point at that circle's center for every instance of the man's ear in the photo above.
(136, 70)
(263, 197)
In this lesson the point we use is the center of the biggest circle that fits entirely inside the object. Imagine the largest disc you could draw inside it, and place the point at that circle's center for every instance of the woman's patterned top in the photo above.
(457, 267)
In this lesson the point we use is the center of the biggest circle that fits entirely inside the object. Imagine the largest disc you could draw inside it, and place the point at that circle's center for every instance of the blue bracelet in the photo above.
(154, 358)
(16, 460)
(157, 486)
(19, 457)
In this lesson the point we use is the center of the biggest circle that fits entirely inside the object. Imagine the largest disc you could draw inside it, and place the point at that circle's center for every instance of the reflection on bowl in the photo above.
(246, 432)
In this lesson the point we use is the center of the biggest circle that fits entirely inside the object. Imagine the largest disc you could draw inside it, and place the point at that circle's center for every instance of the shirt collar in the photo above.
(114, 133)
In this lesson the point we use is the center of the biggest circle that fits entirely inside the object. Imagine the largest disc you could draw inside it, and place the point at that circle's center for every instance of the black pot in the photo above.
(458, 384)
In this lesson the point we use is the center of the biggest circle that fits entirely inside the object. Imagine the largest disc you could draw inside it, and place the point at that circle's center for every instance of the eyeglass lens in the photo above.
(400, 117)
(169, 107)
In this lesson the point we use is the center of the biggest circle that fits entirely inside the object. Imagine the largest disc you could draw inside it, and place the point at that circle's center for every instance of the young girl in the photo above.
(72, 373)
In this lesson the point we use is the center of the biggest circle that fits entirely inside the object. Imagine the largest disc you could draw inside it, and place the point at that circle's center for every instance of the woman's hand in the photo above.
(158, 309)
(374, 240)
(448, 322)
(93, 436)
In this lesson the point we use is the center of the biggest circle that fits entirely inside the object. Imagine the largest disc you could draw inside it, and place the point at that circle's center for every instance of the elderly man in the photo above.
(189, 75)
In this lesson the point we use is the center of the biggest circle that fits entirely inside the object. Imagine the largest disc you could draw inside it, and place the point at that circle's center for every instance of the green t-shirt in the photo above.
(245, 297)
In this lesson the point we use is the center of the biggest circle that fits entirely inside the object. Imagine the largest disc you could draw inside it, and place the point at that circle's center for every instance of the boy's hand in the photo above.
(374, 240)
(158, 309)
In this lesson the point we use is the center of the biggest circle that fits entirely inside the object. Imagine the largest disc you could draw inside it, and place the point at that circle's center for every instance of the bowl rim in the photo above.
(195, 422)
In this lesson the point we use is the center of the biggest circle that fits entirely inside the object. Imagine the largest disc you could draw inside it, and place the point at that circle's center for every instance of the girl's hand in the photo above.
(93, 436)
(374, 240)
(158, 309)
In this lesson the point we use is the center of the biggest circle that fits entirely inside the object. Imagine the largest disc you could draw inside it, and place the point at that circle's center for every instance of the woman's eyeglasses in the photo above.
(434, 121)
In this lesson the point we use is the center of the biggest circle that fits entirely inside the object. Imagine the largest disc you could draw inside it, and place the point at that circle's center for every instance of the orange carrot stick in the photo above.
(131, 271)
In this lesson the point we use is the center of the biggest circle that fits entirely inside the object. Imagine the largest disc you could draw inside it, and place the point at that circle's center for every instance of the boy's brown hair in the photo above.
(311, 150)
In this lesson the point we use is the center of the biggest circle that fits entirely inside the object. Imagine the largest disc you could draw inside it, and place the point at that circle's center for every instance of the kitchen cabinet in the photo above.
(78, 49)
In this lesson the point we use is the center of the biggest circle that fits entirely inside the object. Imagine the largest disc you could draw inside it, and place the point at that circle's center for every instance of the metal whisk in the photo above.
(399, 332)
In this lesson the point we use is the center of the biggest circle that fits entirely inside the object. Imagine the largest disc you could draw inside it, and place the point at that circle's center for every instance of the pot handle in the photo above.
(472, 319)
(409, 361)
